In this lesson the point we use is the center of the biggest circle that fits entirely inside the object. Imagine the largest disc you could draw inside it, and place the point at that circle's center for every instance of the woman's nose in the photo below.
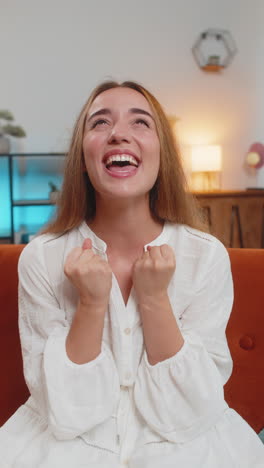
(119, 133)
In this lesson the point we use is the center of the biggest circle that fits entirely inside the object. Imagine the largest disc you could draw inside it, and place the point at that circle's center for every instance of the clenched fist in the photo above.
(90, 274)
(153, 271)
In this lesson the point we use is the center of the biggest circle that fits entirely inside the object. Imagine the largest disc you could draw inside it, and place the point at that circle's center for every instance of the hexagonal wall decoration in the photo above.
(214, 50)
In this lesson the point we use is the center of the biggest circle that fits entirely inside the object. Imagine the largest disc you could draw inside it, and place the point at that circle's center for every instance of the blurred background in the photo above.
(54, 52)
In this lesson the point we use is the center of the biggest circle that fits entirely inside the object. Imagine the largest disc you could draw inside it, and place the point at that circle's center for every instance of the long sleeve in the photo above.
(183, 396)
(71, 397)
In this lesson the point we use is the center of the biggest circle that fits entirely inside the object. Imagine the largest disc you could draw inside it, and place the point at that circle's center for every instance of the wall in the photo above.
(56, 51)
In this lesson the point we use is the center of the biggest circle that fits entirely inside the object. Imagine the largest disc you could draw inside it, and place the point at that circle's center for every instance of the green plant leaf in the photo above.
(6, 115)
(14, 130)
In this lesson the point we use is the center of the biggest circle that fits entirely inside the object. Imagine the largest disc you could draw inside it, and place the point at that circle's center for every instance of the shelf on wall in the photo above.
(32, 202)
(212, 68)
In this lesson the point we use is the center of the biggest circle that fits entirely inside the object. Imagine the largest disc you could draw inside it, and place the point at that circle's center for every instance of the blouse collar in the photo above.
(100, 245)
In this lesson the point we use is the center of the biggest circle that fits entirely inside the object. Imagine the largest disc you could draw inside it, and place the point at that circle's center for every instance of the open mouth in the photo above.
(120, 160)
(121, 165)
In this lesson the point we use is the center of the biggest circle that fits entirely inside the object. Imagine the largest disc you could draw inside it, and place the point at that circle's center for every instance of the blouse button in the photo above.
(246, 342)
(127, 331)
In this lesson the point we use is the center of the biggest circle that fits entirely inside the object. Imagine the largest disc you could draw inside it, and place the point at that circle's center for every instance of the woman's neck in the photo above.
(125, 226)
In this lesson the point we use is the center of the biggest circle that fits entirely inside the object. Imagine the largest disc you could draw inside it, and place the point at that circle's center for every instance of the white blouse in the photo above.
(118, 410)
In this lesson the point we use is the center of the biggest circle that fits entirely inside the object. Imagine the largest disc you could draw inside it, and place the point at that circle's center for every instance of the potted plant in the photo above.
(6, 128)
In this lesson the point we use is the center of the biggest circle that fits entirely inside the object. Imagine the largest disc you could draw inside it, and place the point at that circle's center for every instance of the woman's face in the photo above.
(120, 145)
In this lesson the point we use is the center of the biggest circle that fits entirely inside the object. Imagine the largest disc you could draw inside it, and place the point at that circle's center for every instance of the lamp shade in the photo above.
(206, 158)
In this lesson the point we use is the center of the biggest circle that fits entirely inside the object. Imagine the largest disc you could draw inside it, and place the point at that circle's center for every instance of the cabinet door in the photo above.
(235, 221)
(252, 220)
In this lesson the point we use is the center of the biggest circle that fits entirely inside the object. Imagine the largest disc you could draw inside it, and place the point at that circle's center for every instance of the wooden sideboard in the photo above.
(235, 217)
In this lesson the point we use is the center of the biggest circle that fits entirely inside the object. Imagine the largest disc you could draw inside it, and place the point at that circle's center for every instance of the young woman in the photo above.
(124, 303)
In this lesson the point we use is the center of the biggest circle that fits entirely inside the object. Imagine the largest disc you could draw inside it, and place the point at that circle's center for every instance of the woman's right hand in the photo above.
(90, 274)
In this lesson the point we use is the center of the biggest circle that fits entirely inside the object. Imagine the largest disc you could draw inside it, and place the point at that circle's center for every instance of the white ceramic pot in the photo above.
(4, 145)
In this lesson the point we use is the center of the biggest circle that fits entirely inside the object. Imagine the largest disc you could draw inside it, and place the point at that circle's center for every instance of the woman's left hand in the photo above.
(153, 271)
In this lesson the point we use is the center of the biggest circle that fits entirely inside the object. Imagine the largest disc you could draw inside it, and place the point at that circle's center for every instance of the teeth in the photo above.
(122, 157)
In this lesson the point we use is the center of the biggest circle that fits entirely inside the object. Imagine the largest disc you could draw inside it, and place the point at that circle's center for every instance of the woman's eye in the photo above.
(142, 122)
(98, 122)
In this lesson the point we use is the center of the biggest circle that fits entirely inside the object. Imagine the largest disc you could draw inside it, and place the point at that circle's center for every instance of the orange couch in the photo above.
(245, 333)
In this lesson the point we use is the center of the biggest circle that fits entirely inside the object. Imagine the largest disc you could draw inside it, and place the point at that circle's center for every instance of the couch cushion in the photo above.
(13, 391)
(245, 334)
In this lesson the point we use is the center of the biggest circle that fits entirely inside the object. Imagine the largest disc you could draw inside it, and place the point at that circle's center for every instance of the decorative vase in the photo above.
(4, 145)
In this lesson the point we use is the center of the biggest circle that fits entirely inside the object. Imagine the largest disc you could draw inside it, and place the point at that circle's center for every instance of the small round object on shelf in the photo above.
(255, 156)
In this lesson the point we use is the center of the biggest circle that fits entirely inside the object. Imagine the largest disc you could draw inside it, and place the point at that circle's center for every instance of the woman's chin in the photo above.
(123, 195)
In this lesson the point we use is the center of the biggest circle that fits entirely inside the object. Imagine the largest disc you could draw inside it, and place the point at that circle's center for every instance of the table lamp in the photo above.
(206, 164)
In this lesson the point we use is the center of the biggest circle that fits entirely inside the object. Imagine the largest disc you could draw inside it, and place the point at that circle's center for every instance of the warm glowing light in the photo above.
(206, 164)
(206, 158)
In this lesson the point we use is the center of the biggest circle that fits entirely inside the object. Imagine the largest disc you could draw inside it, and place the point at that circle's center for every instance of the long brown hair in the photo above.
(169, 198)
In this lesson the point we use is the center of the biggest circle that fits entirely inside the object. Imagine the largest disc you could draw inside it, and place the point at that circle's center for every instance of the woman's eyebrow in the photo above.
(99, 112)
(133, 110)
(136, 110)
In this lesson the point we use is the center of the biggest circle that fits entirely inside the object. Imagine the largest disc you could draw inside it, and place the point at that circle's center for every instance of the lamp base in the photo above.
(205, 181)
